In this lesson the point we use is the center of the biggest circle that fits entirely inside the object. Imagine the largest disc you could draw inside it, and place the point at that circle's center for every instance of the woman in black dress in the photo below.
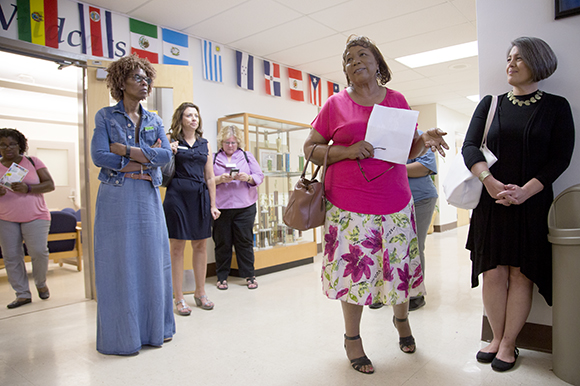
(190, 202)
(532, 135)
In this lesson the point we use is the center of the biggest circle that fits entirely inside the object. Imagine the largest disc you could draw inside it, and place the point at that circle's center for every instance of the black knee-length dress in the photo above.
(534, 141)
(187, 203)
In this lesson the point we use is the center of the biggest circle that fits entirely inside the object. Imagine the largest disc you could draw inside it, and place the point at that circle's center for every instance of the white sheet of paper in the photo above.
(391, 130)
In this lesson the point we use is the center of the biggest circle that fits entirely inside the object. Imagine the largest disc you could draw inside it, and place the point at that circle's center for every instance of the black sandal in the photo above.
(358, 363)
(407, 341)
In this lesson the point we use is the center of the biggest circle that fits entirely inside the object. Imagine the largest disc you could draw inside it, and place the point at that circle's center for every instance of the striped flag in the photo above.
(96, 31)
(333, 88)
(272, 75)
(144, 41)
(296, 89)
(175, 47)
(38, 22)
(212, 61)
(245, 70)
(315, 90)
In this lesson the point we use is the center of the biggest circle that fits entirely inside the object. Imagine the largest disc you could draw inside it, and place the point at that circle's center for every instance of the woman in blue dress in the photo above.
(132, 260)
(190, 203)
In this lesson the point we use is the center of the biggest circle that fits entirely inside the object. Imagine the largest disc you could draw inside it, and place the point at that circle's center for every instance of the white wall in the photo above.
(499, 22)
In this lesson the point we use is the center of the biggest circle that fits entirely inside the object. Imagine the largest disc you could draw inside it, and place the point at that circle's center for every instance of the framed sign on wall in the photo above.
(565, 8)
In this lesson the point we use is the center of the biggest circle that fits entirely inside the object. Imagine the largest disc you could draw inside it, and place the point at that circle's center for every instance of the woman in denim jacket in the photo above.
(132, 261)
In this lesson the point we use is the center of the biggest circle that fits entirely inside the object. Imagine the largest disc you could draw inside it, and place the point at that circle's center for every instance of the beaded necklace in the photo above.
(512, 98)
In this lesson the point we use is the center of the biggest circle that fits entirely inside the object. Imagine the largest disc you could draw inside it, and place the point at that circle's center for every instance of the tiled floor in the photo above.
(284, 333)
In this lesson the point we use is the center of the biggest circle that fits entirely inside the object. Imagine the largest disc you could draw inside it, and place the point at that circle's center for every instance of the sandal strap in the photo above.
(352, 337)
(182, 302)
(401, 320)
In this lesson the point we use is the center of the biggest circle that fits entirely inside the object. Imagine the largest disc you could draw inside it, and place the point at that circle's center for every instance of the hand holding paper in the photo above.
(15, 173)
(390, 131)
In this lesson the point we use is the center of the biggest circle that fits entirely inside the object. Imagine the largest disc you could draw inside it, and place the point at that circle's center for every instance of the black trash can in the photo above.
(564, 234)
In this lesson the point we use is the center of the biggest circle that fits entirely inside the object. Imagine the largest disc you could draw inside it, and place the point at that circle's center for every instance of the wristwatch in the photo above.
(128, 152)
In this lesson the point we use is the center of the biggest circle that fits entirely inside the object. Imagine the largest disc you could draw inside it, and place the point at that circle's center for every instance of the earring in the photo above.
(378, 73)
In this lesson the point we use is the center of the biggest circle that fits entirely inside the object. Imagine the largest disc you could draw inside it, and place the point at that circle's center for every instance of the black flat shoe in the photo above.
(501, 366)
(359, 363)
(376, 306)
(19, 302)
(485, 357)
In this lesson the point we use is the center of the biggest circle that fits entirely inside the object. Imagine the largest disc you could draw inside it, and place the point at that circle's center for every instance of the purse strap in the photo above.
(318, 168)
(490, 115)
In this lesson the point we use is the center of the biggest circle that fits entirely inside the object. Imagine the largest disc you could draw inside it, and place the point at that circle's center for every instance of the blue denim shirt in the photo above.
(112, 124)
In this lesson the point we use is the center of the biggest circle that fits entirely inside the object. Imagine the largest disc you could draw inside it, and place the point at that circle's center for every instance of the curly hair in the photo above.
(17, 136)
(228, 131)
(537, 55)
(118, 71)
(384, 73)
(176, 129)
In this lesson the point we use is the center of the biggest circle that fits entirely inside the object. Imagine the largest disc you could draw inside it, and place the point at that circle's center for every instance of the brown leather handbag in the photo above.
(306, 207)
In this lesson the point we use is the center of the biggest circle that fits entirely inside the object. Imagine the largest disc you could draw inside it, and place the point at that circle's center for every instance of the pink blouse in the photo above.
(345, 122)
(24, 207)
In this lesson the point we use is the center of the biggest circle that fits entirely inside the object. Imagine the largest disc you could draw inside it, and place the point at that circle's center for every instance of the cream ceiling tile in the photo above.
(245, 20)
(307, 7)
(322, 66)
(405, 76)
(180, 14)
(357, 13)
(282, 37)
(467, 8)
(420, 22)
(411, 85)
(445, 37)
(330, 47)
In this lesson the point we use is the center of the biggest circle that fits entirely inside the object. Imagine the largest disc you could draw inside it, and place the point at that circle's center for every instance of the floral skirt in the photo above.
(371, 258)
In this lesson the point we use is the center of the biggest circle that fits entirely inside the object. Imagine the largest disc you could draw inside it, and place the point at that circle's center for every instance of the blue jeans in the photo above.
(35, 235)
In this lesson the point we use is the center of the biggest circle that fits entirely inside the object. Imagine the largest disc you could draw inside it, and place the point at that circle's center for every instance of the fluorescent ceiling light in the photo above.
(440, 55)
(474, 98)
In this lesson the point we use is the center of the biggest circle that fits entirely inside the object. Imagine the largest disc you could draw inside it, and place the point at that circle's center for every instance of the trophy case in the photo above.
(277, 146)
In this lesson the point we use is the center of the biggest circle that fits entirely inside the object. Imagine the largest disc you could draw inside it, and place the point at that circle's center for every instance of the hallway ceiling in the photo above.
(310, 35)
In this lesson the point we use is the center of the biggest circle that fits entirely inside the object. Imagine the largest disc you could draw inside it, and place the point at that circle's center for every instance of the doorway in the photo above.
(43, 99)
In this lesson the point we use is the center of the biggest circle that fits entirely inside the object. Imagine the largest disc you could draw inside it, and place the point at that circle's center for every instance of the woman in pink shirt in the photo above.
(238, 175)
(370, 252)
(24, 217)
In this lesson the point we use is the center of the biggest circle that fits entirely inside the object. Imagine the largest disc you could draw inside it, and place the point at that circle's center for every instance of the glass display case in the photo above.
(277, 146)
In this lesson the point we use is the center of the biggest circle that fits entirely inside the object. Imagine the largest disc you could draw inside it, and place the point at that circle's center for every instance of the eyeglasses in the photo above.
(11, 146)
(230, 143)
(374, 178)
(138, 78)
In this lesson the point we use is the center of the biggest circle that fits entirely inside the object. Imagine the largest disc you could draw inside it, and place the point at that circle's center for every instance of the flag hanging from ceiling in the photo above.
(96, 31)
(175, 47)
(144, 41)
(38, 22)
(296, 89)
(212, 61)
(245, 70)
(333, 88)
(315, 90)
(272, 75)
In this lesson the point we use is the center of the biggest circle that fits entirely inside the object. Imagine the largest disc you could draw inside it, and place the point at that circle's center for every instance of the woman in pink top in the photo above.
(24, 217)
(370, 252)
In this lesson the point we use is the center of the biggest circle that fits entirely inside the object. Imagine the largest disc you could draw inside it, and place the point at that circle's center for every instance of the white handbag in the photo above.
(462, 188)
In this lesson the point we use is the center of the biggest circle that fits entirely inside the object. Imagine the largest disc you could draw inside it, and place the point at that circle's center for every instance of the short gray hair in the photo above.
(537, 55)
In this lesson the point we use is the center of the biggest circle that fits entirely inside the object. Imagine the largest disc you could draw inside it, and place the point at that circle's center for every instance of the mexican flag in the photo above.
(38, 21)
(144, 41)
